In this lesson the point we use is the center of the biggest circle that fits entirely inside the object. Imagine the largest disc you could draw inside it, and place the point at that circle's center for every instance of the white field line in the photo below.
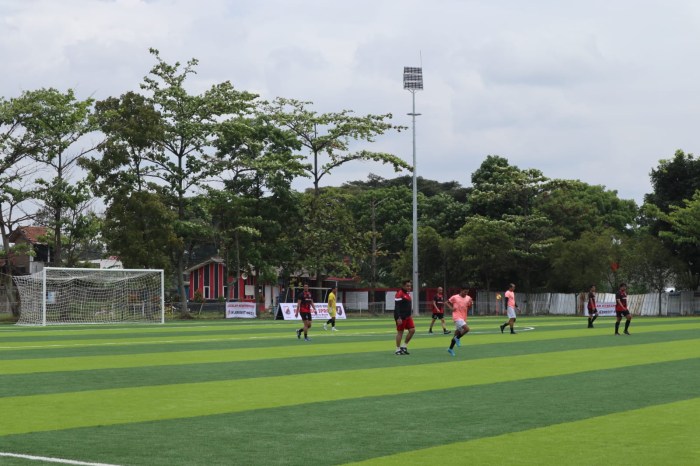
(52, 460)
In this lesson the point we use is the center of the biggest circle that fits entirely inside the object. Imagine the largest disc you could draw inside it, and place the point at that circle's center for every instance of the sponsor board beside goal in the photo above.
(285, 311)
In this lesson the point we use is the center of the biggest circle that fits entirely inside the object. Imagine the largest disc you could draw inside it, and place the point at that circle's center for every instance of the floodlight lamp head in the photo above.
(412, 78)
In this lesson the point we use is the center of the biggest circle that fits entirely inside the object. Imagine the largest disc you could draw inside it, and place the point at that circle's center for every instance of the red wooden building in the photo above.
(212, 280)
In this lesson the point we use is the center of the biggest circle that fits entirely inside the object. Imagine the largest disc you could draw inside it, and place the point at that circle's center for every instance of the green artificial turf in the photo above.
(251, 393)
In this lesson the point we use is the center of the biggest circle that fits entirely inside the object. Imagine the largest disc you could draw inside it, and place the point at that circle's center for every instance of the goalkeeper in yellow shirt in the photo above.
(331, 310)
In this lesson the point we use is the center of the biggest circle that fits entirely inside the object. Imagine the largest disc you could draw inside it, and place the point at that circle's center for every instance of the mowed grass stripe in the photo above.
(422, 323)
(378, 330)
(497, 344)
(662, 434)
(10, 331)
(338, 431)
(329, 344)
(317, 360)
(105, 407)
(276, 329)
(270, 332)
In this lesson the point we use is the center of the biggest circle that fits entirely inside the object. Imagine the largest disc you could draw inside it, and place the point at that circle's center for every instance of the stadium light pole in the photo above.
(413, 82)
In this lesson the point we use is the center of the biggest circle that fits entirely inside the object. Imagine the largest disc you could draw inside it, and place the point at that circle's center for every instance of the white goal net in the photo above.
(91, 296)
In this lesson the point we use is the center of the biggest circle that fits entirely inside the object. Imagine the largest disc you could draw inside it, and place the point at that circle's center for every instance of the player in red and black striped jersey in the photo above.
(439, 311)
(621, 309)
(592, 307)
(403, 318)
(305, 303)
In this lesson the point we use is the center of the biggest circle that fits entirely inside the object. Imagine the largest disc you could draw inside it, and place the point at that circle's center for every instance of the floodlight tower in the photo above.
(413, 82)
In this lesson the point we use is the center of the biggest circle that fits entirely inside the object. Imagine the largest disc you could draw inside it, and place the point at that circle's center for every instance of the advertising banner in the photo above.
(605, 309)
(287, 311)
(240, 310)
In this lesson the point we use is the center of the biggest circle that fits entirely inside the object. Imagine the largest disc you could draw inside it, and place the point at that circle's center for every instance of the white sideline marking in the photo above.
(53, 460)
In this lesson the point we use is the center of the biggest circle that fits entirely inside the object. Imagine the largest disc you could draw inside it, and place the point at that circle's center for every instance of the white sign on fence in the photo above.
(321, 311)
(605, 309)
(240, 310)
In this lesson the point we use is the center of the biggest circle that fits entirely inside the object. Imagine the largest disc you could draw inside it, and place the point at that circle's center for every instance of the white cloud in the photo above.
(593, 90)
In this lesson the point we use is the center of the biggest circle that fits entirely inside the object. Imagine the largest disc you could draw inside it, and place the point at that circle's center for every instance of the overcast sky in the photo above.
(596, 90)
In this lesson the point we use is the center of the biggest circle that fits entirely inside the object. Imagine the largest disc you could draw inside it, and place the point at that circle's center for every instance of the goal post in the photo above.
(59, 295)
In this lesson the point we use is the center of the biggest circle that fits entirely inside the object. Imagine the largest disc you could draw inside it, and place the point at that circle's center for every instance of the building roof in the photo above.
(215, 260)
(29, 234)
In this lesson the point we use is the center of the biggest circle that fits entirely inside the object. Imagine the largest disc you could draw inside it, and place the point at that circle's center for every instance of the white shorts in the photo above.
(460, 323)
(511, 312)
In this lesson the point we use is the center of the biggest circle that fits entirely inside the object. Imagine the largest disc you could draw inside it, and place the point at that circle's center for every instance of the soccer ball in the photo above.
(498, 296)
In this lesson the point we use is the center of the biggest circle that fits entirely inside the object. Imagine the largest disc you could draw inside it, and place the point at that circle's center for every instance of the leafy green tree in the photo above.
(674, 182)
(189, 123)
(235, 229)
(502, 189)
(132, 129)
(82, 239)
(330, 244)
(330, 139)
(484, 245)
(532, 239)
(652, 266)
(431, 257)
(443, 213)
(384, 215)
(140, 229)
(575, 207)
(17, 146)
(58, 122)
(685, 222)
(684, 232)
(332, 136)
(258, 168)
(579, 263)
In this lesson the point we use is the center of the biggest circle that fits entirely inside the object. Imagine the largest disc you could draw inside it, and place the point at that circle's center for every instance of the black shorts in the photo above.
(437, 316)
(592, 312)
(305, 316)
(619, 314)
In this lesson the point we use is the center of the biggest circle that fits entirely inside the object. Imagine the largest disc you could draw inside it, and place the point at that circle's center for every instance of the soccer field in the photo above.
(250, 392)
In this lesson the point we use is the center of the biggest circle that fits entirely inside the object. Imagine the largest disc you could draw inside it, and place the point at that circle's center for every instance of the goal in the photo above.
(59, 295)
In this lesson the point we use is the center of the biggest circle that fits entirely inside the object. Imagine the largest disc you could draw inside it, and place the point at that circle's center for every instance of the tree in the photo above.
(331, 135)
(383, 216)
(501, 189)
(258, 168)
(16, 147)
(139, 228)
(443, 213)
(685, 222)
(652, 266)
(58, 121)
(484, 245)
(189, 123)
(431, 256)
(579, 263)
(674, 182)
(329, 245)
(81, 238)
(684, 232)
(575, 207)
(132, 129)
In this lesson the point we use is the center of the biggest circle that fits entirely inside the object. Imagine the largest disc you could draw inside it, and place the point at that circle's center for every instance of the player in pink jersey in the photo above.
(459, 304)
(512, 306)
